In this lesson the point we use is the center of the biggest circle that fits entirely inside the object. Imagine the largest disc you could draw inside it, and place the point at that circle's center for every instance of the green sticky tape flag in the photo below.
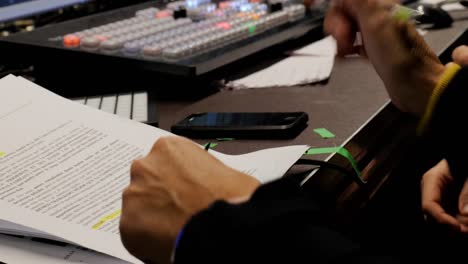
(315, 151)
(252, 28)
(340, 150)
(324, 133)
(225, 139)
(212, 145)
(2, 154)
(403, 13)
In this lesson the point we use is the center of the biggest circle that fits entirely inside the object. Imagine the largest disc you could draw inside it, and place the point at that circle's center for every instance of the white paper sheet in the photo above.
(25, 251)
(15, 229)
(267, 164)
(309, 64)
(446, 7)
(64, 165)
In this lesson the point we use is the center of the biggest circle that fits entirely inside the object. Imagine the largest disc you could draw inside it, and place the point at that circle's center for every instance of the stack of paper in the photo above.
(63, 167)
(454, 5)
(309, 64)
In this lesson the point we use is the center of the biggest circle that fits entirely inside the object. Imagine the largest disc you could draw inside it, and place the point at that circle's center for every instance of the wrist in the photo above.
(237, 186)
(428, 82)
(450, 70)
(434, 81)
(176, 244)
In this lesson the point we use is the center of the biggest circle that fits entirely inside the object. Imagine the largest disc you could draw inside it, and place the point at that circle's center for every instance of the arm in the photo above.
(445, 132)
(279, 224)
(176, 180)
(178, 188)
(417, 83)
(446, 124)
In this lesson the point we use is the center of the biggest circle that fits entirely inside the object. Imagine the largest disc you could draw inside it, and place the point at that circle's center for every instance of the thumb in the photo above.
(463, 199)
(460, 55)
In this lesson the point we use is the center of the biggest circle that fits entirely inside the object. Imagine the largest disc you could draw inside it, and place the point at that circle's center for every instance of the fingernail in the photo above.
(465, 209)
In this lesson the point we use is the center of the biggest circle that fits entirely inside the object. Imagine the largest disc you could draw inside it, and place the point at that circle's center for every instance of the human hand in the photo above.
(460, 55)
(462, 215)
(434, 185)
(408, 67)
(173, 182)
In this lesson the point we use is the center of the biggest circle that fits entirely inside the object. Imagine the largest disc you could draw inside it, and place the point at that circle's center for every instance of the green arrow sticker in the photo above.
(210, 145)
(340, 150)
(324, 133)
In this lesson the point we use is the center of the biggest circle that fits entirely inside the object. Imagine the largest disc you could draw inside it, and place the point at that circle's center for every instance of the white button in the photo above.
(79, 100)
(108, 103)
(124, 105)
(140, 107)
(94, 102)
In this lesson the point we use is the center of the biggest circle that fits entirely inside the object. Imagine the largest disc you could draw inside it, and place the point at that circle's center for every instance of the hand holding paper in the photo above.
(176, 180)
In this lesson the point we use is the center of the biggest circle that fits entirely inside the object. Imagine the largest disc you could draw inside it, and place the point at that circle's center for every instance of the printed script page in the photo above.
(63, 165)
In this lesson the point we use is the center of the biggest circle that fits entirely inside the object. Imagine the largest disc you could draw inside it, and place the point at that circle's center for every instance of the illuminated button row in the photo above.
(144, 18)
(238, 30)
(120, 32)
(296, 12)
(170, 36)
(174, 39)
(218, 34)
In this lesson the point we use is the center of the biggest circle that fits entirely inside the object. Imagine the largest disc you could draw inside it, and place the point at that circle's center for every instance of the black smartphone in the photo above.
(275, 125)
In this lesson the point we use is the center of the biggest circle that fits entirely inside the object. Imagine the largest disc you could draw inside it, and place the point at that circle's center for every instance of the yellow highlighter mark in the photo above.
(106, 218)
(2, 154)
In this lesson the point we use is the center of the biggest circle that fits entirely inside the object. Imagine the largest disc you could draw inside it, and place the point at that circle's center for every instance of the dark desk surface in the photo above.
(352, 96)
(342, 105)
(353, 105)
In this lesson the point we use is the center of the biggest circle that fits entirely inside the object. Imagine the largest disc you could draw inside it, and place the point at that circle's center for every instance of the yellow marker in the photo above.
(106, 218)
(2, 154)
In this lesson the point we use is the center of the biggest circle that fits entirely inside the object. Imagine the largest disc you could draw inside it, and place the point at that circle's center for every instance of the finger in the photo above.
(460, 55)
(163, 143)
(341, 28)
(463, 200)
(434, 182)
(463, 220)
(126, 194)
(440, 216)
(137, 169)
(432, 185)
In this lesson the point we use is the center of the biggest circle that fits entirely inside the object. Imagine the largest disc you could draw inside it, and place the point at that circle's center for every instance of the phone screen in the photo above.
(241, 119)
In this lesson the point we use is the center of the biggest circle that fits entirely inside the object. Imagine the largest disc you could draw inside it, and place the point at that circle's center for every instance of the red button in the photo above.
(224, 25)
(163, 13)
(71, 41)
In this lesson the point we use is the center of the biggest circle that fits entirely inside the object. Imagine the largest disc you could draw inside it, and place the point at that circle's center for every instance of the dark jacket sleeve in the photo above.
(447, 128)
(279, 224)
